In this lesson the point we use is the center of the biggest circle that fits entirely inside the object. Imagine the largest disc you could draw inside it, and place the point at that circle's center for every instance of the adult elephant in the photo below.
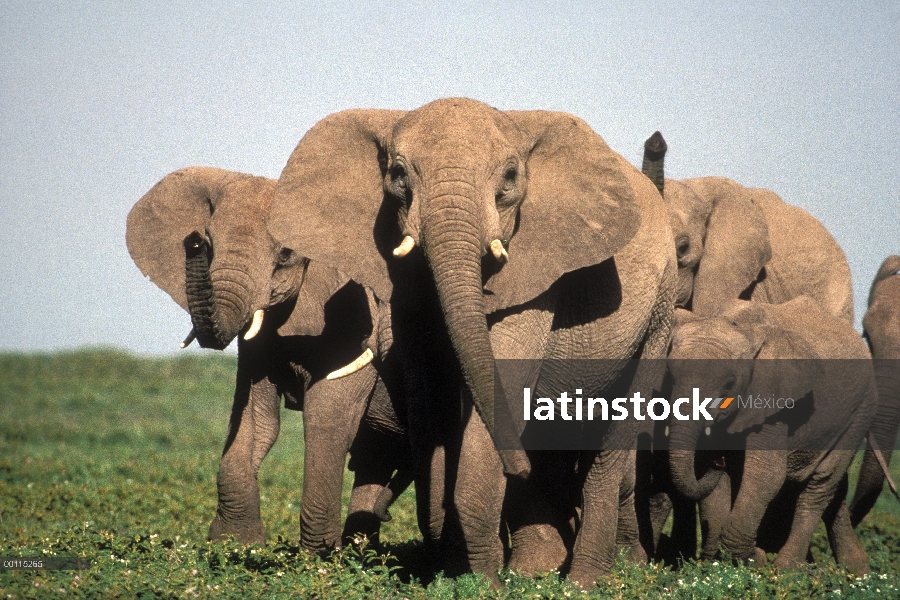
(735, 243)
(494, 235)
(200, 235)
(786, 454)
(882, 331)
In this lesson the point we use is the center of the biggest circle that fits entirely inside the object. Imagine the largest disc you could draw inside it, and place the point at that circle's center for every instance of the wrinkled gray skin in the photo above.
(200, 235)
(774, 459)
(734, 242)
(882, 330)
(590, 273)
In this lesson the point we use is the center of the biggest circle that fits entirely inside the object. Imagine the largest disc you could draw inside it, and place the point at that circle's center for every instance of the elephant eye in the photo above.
(286, 258)
(506, 194)
(729, 384)
(682, 248)
(398, 176)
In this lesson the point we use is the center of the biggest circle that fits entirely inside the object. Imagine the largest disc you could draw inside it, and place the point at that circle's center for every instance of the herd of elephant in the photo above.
(402, 252)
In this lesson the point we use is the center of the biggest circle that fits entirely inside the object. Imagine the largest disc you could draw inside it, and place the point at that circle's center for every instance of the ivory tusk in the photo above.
(405, 246)
(364, 359)
(190, 338)
(499, 251)
(256, 325)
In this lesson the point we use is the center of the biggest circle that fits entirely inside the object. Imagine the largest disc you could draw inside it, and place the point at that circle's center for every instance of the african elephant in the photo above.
(882, 331)
(790, 451)
(492, 235)
(734, 242)
(200, 235)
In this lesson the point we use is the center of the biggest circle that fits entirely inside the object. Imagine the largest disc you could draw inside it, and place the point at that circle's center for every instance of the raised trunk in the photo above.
(681, 463)
(451, 240)
(654, 160)
(216, 308)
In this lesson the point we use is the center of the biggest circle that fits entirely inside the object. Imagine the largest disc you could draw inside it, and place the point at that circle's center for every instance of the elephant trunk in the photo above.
(683, 442)
(216, 307)
(451, 240)
(654, 158)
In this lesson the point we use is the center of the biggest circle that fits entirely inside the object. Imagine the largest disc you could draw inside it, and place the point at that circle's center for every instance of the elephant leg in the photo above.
(478, 498)
(846, 547)
(659, 507)
(379, 448)
(714, 512)
(429, 468)
(539, 515)
(816, 496)
(684, 527)
(331, 417)
(252, 430)
(595, 546)
(627, 532)
(884, 430)
(764, 475)
(368, 483)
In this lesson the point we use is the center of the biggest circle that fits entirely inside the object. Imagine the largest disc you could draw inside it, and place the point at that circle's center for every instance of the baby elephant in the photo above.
(785, 438)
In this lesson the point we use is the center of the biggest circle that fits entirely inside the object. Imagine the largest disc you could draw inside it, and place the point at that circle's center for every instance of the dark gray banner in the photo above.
(721, 405)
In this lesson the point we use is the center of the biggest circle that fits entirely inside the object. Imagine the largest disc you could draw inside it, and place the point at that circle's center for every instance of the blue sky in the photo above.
(100, 101)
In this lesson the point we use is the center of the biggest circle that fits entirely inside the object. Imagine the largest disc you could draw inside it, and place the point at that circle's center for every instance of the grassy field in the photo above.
(113, 457)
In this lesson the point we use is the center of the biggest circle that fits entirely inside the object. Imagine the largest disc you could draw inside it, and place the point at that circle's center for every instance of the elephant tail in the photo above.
(879, 456)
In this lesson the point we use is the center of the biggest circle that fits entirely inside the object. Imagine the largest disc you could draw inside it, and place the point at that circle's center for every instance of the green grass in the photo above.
(113, 457)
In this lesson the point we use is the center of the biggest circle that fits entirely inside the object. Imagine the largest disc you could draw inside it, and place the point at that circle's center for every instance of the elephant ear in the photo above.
(736, 247)
(579, 208)
(320, 283)
(781, 366)
(181, 203)
(328, 203)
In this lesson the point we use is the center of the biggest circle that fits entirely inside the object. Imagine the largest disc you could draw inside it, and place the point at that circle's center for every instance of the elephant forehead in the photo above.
(449, 126)
(709, 338)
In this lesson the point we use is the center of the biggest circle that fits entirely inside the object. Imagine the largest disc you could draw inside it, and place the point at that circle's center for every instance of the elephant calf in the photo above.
(201, 235)
(784, 461)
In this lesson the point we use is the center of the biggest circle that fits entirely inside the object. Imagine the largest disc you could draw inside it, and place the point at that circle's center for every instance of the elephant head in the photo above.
(725, 357)
(536, 194)
(200, 235)
(882, 320)
(721, 236)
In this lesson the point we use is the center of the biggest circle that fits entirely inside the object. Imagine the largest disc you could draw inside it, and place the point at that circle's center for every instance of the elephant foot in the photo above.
(359, 526)
(856, 561)
(755, 557)
(636, 554)
(245, 532)
(758, 557)
(847, 549)
(537, 549)
(586, 576)
(785, 561)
